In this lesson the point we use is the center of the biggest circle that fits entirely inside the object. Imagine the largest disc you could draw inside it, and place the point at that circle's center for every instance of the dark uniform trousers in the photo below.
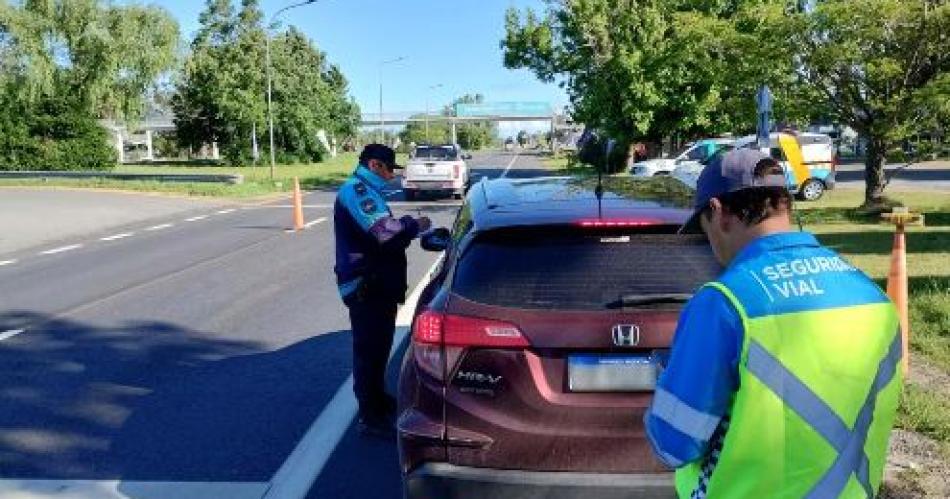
(374, 324)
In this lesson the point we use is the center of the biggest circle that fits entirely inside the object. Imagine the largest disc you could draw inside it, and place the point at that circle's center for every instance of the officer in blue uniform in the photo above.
(371, 275)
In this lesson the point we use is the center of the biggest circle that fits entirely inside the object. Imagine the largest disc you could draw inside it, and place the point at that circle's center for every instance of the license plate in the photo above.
(610, 373)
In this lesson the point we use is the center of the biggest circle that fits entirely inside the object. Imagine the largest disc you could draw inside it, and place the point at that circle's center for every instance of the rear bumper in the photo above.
(441, 480)
(433, 185)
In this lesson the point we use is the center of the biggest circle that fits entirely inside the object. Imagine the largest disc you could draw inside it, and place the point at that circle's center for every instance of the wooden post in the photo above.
(897, 276)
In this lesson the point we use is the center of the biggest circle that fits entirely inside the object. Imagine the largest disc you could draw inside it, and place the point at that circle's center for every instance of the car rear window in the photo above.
(438, 153)
(581, 271)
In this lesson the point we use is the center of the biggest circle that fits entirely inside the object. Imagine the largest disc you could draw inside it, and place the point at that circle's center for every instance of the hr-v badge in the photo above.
(626, 335)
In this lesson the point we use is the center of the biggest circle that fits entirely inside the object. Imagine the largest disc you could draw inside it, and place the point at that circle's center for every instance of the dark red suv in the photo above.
(535, 348)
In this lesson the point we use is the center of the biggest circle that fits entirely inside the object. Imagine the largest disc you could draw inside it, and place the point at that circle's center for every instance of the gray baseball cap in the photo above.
(730, 172)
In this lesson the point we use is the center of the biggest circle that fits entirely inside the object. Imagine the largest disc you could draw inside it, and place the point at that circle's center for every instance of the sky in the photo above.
(454, 43)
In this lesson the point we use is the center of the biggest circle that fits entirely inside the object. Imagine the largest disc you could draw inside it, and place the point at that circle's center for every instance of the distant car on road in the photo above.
(691, 155)
(535, 349)
(437, 169)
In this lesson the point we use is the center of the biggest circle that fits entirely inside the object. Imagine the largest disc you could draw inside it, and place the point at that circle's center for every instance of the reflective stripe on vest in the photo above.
(815, 412)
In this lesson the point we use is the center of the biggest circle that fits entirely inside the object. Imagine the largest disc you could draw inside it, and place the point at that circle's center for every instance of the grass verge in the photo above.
(865, 241)
(926, 413)
(257, 179)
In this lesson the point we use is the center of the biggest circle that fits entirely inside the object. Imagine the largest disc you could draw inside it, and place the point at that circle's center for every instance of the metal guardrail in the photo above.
(159, 177)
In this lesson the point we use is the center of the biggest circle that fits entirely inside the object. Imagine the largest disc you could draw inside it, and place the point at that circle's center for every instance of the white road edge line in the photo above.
(7, 262)
(195, 219)
(510, 164)
(301, 469)
(117, 236)
(61, 249)
(159, 227)
(225, 212)
(118, 489)
(10, 334)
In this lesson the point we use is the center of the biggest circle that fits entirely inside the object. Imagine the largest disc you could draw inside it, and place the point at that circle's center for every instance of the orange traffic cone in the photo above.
(298, 206)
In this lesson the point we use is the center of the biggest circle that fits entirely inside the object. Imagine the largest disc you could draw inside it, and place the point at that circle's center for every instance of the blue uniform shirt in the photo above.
(370, 243)
(694, 394)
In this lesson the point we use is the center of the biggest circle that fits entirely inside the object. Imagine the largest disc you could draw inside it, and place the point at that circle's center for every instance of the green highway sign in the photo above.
(539, 109)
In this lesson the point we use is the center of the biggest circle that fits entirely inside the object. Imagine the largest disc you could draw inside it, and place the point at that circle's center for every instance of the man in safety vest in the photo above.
(784, 376)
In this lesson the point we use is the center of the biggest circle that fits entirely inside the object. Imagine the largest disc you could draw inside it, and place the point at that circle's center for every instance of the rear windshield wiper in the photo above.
(633, 300)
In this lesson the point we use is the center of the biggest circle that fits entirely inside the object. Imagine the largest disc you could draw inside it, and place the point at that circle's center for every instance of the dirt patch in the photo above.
(916, 467)
(929, 377)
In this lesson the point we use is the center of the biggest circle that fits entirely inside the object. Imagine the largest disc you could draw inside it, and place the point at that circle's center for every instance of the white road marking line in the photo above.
(285, 206)
(10, 334)
(7, 262)
(314, 222)
(61, 249)
(159, 227)
(303, 466)
(195, 219)
(117, 236)
(510, 164)
(117, 489)
(308, 224)
(225, 212)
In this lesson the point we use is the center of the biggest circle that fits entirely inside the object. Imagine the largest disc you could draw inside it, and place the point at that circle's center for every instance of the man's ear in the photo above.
(719, 215)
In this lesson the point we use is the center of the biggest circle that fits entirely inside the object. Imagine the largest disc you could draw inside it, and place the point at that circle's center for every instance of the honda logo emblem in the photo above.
(626, 335)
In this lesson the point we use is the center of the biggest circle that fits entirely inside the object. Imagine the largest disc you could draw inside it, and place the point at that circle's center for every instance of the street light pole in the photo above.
(270, 84)
(431, 87)
(382, 122)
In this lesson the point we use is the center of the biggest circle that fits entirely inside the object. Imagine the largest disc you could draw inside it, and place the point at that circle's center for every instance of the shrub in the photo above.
(52, 135)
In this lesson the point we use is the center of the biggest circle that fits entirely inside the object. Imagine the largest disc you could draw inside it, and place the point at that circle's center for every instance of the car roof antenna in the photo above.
(599, 190)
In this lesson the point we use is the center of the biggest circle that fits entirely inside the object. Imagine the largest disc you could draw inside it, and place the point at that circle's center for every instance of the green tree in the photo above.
(471, 135)
(66, 63)
(880, 66)
(647, 69)
(222, 90)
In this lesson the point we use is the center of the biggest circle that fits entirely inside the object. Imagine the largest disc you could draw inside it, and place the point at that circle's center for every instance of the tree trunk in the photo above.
(874, 172)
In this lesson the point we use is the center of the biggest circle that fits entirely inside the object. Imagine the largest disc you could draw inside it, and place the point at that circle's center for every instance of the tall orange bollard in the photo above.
(298, 206)
(897, 277)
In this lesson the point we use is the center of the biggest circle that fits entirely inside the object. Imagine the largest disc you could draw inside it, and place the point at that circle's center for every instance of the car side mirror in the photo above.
(466, 156)
(436, 239)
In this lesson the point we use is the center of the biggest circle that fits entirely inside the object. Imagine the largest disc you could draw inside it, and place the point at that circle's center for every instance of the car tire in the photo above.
(811, 190)
(457, 196)
(410, 194)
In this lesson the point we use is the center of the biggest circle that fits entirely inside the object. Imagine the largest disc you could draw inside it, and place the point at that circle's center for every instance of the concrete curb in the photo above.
(172, 177)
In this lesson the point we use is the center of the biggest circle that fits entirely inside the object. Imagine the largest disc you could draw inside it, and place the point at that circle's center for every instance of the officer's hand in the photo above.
(424, 224)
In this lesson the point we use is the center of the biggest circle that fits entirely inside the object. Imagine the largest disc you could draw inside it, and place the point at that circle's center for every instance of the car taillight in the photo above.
(600, 222)
(457, 171)
(435, 334)
(834, 163)
(458, 330)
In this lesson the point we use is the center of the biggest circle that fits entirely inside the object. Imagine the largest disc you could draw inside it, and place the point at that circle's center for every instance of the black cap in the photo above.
(379, 152)
(730, 172)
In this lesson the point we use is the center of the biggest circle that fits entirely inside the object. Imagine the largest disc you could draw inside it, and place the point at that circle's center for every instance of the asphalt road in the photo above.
(189, 357)
(934, 175)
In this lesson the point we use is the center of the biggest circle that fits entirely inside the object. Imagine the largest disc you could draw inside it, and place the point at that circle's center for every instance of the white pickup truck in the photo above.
(439, 169)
